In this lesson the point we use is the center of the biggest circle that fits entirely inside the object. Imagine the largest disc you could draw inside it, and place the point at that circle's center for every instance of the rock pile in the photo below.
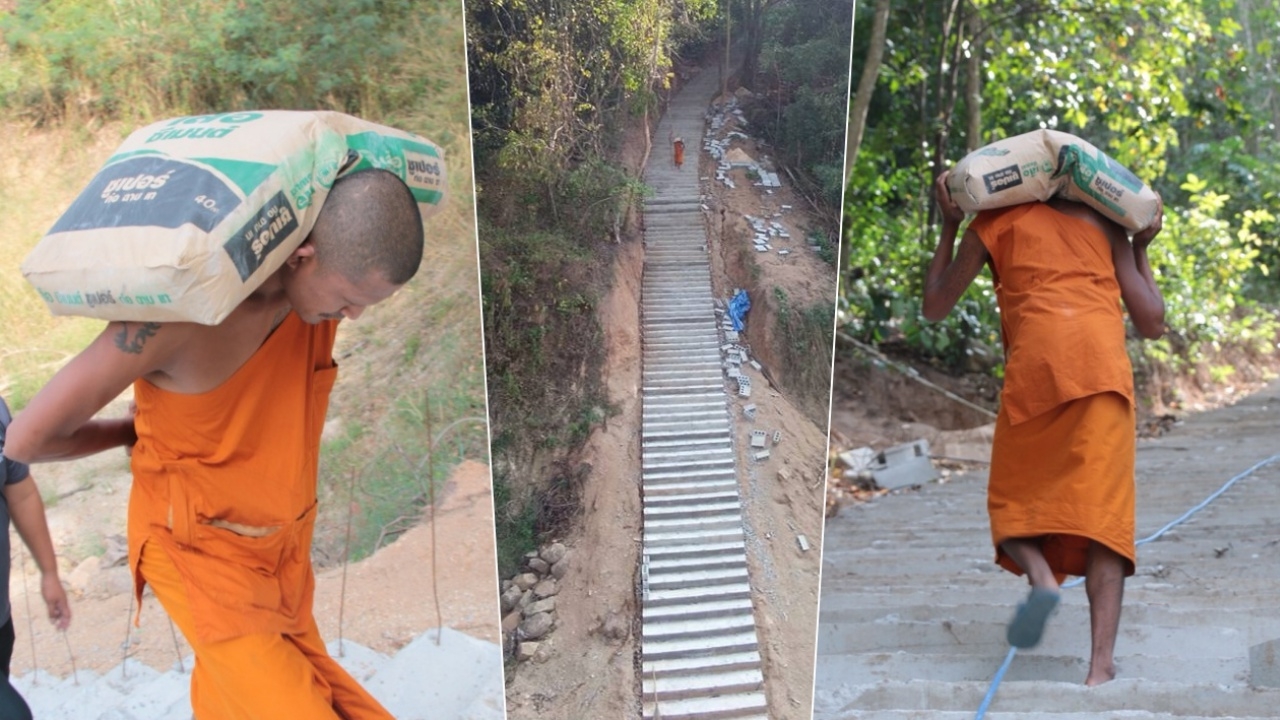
(529, 601)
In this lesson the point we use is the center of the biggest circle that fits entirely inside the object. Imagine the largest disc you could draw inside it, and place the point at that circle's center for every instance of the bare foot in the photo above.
(1099, 676)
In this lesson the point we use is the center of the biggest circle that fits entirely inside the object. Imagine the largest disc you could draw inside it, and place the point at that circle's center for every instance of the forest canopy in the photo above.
(1186, 93)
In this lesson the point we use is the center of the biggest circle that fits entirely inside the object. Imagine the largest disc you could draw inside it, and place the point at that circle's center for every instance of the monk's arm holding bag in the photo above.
(949, 277)
(58, 423)
(1138, 288)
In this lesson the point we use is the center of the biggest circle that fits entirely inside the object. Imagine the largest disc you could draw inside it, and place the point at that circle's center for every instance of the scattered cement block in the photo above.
(1264, 664)
(857, 460)
(904, 465)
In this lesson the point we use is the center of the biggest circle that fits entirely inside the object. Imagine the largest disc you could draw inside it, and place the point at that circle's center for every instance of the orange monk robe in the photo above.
(679, 152)
(223, 498)
(1062, 462)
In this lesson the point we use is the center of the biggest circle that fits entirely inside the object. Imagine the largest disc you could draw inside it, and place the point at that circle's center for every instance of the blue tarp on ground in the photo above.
(738, 308)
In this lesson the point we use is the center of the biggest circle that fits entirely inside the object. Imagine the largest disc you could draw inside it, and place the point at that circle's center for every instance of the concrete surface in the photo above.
(913, 609)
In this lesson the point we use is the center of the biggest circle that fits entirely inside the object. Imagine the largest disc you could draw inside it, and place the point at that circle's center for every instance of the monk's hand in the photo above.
(133, 413)
(55, 600)
(951, 212)
(1143, 237)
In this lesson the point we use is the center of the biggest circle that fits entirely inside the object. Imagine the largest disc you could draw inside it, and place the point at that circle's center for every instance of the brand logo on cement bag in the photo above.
(1100, 177)
(263, 233)
(208, 126)
(1002, 179)
(150, 191)
(422, 170)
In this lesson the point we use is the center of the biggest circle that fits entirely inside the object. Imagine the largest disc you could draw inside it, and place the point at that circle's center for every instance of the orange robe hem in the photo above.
(1066, 476)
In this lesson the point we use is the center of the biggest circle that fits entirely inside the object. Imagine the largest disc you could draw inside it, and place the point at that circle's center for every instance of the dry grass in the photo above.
(424, 342)
(37, 183)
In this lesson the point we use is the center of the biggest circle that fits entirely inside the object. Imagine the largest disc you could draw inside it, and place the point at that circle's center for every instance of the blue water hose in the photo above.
(1008, 659)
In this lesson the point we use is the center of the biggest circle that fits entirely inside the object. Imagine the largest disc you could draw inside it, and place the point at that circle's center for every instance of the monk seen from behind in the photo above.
(1061, 489)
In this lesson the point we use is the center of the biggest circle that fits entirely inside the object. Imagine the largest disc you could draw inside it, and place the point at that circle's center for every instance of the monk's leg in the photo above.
(247, 678)
(1104, 584)
(1027, 554)
(350, 699)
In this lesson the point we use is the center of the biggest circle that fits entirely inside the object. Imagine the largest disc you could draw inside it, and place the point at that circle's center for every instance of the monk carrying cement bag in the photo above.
(1043, 163)
(190, 215)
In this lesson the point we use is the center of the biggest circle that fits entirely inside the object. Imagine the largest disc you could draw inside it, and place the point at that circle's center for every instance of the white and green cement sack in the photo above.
(191, 215)
(1043, 163)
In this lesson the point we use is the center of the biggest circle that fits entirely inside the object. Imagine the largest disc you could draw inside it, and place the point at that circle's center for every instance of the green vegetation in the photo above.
(77, 75)
(554, 89)
(804, 346)
(803, 76)
(398, 470)
(1182, 93)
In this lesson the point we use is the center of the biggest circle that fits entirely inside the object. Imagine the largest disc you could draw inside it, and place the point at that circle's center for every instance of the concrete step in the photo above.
(1256, 621)
(662, 500)
(675, 538)
(1176, 698)
(707, 608)
(703, 684)
(1029, 666)
(463, 679)
(708, 473)
(669, 491)
(731, 706)
(690, 509)
(1059, 638)
(990, 715)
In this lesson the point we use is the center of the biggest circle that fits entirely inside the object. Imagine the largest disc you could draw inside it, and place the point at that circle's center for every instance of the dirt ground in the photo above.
(389, 596)
(586, 667)
(876, 406)
(782, 496)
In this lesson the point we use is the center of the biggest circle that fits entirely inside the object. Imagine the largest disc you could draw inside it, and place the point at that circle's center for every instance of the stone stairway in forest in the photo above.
(913, 611)
(459, 679)
(700, 651)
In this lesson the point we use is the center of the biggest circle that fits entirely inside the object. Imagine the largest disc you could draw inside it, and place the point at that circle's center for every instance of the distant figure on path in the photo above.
(678, 147)
(1061, 489)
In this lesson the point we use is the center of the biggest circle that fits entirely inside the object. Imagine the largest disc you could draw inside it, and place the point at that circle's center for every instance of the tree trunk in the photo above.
(866, 86)
(755, 39)
(973, 85)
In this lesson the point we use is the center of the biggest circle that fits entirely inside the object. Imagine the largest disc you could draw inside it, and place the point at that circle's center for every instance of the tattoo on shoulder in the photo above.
(140, 333)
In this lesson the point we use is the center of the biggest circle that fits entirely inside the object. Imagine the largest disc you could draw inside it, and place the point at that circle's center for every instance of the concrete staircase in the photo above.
(460, 679)
(913, 610)
(700, 652)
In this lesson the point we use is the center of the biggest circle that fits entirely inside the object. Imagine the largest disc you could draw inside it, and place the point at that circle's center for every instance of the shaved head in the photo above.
(370, 222)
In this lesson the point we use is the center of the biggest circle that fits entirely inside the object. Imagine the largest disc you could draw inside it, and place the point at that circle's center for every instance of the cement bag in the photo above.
(190, 215)
(1044, 163)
